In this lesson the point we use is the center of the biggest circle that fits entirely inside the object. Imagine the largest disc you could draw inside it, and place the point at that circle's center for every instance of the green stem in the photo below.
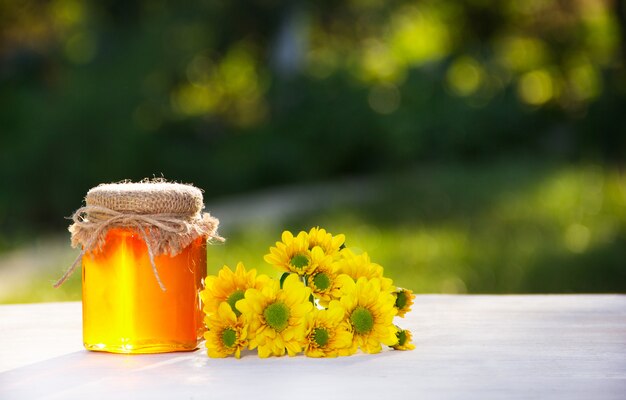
(305, 280)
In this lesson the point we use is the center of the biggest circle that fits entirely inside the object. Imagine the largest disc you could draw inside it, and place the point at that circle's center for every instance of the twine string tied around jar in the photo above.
(163, 232)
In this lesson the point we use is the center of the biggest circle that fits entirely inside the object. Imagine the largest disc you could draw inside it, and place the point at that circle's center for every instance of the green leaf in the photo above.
(282, 278)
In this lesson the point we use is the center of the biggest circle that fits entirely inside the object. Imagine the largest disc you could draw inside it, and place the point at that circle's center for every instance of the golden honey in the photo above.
(124, 308)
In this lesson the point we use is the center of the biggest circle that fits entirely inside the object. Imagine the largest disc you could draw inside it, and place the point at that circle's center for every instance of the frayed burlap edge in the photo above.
(166, 233)
(163, 233)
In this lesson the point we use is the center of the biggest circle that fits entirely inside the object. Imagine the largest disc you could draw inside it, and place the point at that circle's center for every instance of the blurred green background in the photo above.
(469, 146)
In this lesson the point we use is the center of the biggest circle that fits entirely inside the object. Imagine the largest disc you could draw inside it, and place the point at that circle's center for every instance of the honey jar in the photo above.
(144, 263)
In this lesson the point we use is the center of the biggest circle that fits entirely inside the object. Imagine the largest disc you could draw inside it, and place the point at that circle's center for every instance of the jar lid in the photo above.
(150, 197)
(167, 215)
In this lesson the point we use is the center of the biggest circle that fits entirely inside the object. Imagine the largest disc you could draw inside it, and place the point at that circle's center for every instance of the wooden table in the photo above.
(468, 347)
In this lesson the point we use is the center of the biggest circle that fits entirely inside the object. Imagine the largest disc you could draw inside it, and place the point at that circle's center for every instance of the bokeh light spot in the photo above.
(192, 100)
(521, 54)
(536, 87)
(67, 13)
(378, 64)
(419, 35)
(584, 81)
(464, 76)
(384, 99)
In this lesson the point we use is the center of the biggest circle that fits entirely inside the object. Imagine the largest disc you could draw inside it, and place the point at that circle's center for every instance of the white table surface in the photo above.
(468, 347)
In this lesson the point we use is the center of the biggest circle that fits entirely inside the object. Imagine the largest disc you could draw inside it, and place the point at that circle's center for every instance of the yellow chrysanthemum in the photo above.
(323, 281)
(404, 301)
(277, 318)
(404, 340)
(329, 243)
(360, 266)
(329, 334)
(292, 254)
(226, 334)
(370, 310)
(229, 287)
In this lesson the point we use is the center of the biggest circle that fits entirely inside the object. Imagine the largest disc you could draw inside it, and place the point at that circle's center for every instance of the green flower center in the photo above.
(401, 335)
(229, 337)
(233, 299)
(401, 300)
(321, 281)
(300, 261)
(277, 316)
(320, 335)
(362, 320)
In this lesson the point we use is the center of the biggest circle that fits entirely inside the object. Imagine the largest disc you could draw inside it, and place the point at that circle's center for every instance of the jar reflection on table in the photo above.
(124, 308)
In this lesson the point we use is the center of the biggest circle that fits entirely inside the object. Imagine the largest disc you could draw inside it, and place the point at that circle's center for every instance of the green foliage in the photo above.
(94, 92)
(510, 227)
(102, 91)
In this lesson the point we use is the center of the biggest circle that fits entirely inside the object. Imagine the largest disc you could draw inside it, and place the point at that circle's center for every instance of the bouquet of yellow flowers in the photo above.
(329, 302)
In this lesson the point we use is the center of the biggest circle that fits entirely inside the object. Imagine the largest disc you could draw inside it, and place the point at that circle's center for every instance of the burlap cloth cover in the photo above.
(167, 215)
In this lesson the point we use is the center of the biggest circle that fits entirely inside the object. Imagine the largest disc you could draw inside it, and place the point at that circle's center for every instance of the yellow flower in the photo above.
(329, 334)
(329, 243)
(323, 282)
(229, 287)
(404, 301)
(277, 318)
(226, 334)
(370, 310)
(292, 254)
(404, 339)
(357, 266)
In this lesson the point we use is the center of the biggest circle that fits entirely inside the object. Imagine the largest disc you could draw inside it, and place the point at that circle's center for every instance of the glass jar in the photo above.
(124, 308)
